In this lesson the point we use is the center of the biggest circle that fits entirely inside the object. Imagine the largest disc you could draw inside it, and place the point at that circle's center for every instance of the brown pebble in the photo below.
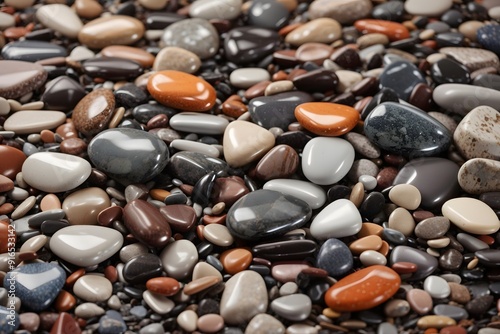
(107, 216)
(420, 301)
(235, 260)
(371, 242)
(404, 267)
(165, 286)
(93, 113)
(71, 279)
(6, 208)
(208, 219)
(65, 301)
(47, 136)
(210, 323)
(6, 184)
(29, 321)
(459, 293)
(111, 273)
(65, 324)
(67, 130)
(234, 108)
(453, 330)
(200, 284)
(74, 146)
(11, 161)
(386, 176)
(257, 90)
(159, 194)
(158, 121)
(141, 56)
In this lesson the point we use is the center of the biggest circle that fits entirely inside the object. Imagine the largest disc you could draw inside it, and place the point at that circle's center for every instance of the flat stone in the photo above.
(433, 227)
(141, 268)
(308, 192)
(181, 91)
(223, 10)
(427, 8)
(435, 321)
(199, 123)
(218, 235)
(32, 51)
(68, 23)
(344, 11)
(345, 217)
(436, 287)
(36, 284)
(319, 30)
(435, 178)
(451, 311)
(426, 264)
(461, 99)
(402, 77)
(335, 257)
(327, 119)
(295, 307)
(88, 310)
(472, 58)
(480, 127)
(477, 176)
(247, 77)
(244, 45)
(128, 164)
(273, 214)
(20, 78)
(406, 196)
(280, 162)
(326, 161)
(93, 288)
(195, 35)
(471, 215)
(377, 283)
(179, 258)
(459, 293)
(240, 301)
(111, 30)
(393, 30)
(451, 259)
(112, 68)
(449, 71)
(61, 172)
(180, 217)
(177, 59)
(33, 121)
(238, 150)
(85, 246)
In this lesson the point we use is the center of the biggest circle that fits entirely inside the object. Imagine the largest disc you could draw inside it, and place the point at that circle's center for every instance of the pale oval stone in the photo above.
(320, 30)
(218, 235)
(471, 215)
(158, 303)
(439, 243)
(67, 22)
(301, 329)
(347, 79)
(19, 4)
(345, 11)
(6, 21)
(179, 258)
(372, 39)
(83, 206)
(309, 192)
(339, 219)
(153, 4)
(494, 12)
(326, 160)
(371, 258)
(461, 98)
(178, 59)
(93, 288)
(84, 245)
(81, 53)
(199, 123)
(437, 287)
(296, 307)
(279, 87)
(289, 288)
(194, 146)
(264, 323)
(187, 320)
(88, 310)
(55, 172)
(469, 28)
(429, 8)
(203, 269)
(402, 221)
(244, 296)
(23, 208)
(34, 244)
(111, 30)
(477, 176)
(216, 9)
(478, 134)
(247, 77)
(405, 195)
(435, 321)
(33, 121)
(435, 57)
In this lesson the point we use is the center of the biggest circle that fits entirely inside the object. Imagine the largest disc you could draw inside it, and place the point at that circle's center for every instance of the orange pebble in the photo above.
(393, 30)
(165, 286)
(65, 301)
(236, 260)
(159, 194)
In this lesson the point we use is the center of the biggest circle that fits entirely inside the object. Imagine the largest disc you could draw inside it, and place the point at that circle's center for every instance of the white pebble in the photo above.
(369, 182)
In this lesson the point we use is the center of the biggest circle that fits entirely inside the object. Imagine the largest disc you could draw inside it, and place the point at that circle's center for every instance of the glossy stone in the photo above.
(244, 45)
(224, 10)
(114, 29)
(68, 23)
(277, 110)
(319, 30)
(435, 178)
(402, 77)
(62, 172)
(426, 264)
(263, 214)
(144, 156)
(178, 59)
(461, 99)
(471, 215)
(181, 90)
(179, 258)
(320, 80)
(280, 162)
(308, 192)
(228, 190)
(285, 250)
(165, 286)
(326, 119)
(93, 113)
(326, 161)
(189, 167)
(345, 217)
(36, 284)
(449, 71)
(93, 288)
(11, 161)
(198, 123)
(62, 93)
(32, 51)
(180, 217)
(433, 227)
(20, 78)
(240, 301)
(420, 301)
(295, 307)
(146, 223)
(141, 268)
(83, 206)
(363, 289)
(32, 121)
(195, 35)
(85, 246)
(487, 36)
(112, 68)
(335, 257)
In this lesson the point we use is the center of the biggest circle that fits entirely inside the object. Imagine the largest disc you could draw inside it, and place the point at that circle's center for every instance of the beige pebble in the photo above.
(372, 39)
(473, 263)
(439, 243)
(88, 9)
(278, 87)
(357, 194)
(321, 30)
(347, 79)
(108, 30)
(24, 207)
(88, 310)
(178, 59)
(153, 4)
(93, 288)
(426, 34)
(36, 105)
(406, 196)
(371, 258)
(187, 320)
(477, 176)
(67, 22)
(19, 4)
(469, 28)
(435, 321)
(471, 215)
(402, 220)
(218, 234)
(218, 208)
(34, 244)
(83, 206)
(158, 303)
(203, 269)
(434, 58)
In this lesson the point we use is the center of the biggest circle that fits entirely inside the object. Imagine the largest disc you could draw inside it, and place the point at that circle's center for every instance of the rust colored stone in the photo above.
(235, 260)
(327, 119)
(393, 30)
(165, 286)
(65, 301)
(11, 161)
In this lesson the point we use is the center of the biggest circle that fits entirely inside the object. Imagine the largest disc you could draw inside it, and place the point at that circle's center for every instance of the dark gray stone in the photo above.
(32, 51)
(246, 45)
(268, 14)
(402, 77)
(426, 264)
(189, 167)
(335, 257)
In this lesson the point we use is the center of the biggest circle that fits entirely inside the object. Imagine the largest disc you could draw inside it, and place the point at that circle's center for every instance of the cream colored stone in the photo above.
(187, 320)
(347, 79)
(178, 59)
(477, 176)
(19, 4)
(60, 18)
(218, 235)
(93, 288)
(471, 215)
(406, 196)
(153, 4)
(469, 29)
(402, 220)
(278, 87)
(111, 30)
(322, 30)
(83, 206)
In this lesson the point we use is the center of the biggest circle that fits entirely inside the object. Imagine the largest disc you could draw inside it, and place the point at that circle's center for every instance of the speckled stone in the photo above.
(264, 323)
(402, 77)
(477, 176)
(36, 284)
(406, 130)
(9, 323)
(20, 78)
(195, 35)
(178, 59)
(487, 36)
(335, 257)
(272, 214)
(344, 11)
(93, 113)
(472, 58)
(478, 134)
(128, 164)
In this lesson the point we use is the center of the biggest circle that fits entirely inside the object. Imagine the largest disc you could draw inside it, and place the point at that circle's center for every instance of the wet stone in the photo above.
(426, 264)
(295, 307)
(141, 268)
(62, 93)
(112, 68)
(432, 228)
(449, 71)
(341, 10)
(319, 30)
(245, 45)
(335, 257)
(32, 51)
(115, 29)
(189, 167)
(345, 215)
(93, 113)
(267, 14)
(451, 259)
(461, 99)
(270, 209)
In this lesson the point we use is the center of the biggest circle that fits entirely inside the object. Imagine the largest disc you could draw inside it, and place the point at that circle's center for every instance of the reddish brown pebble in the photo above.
(363, 289)
(404, 267)
(6, 237)
(65, 324)
(315, 272)
(47, 136)
(93, 113)
(65, 301)
(370, 229)
(420, 215)
(228, 190)
(6, 184)
(181, 91)
(453, 330)
(71, 279)
(257, 90)
(67, 130)
(141, 56)
(11, 161)
(420, 301)
(208, 219)
(280, 162)
(109, 215)
(313, 52)
(234, 108)
(421, 97)
(395, 31)
(180, 217)
(111, 273)
(200, 284)
(6, 208)
(50, 202)
(235, 260)
(165, 286)
(29, 321)
(28, 256)
(385, 177)
(74, 146)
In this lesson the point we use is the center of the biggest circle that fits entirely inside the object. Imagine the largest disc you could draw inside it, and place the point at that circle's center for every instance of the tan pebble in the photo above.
(88, 9)
(34, 244)
(218, 235)
(200, 284)
(117, 117)
(19, 4)
(187, 320)
(203, 269)
(370, 229)
(320, 30)
(178, 59)
(396, 308)
(384, 250)
(141, 56)
(23, 208)
(471, 215)
(444, 119)
(353, 324)
(473, 263)
(406, 196)
(434, 58)
(439, 243)
(372, 39)
(153, 4)
(433, 252)
(372, 258)
(469, 29)
(435, 321)
(328, 312)
(109, 30)
(402, 220)
(357, 194)
(36, 105)
(371, 242)
(218, 208)
(347, 79)
(83, 206)
(459, 293)
(426, 34)
(278, 87)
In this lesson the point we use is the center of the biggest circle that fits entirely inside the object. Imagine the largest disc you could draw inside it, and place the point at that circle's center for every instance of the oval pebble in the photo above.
(93, 288)
(471, 215)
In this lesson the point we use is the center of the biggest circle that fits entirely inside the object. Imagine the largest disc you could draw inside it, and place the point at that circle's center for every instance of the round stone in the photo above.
(320, 30)
(93, 288)
(335, 257)
(177, 59)
(327, 119)
(406, 196)
(345, 215)
(295, 307)
(83, 206)
(111, 30)
(67, 23)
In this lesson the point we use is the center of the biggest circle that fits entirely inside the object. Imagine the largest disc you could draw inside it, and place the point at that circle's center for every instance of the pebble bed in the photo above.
(265, 166)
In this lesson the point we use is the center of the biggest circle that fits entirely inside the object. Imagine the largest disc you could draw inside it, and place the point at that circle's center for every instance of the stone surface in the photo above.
(244, 45)
(177, 59)
(477, 176)
(115, 29)
(85, 246)
(345, 11)
(68, 23)
(32, 121)
(93, 288)
(461, 99)
(295, 307)
(339, 219)
(335, 257)
(326, 119)
(308, 192)
(179, 258)
(471, 215)
(320, 30)
(83, 206)
(20, 78)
